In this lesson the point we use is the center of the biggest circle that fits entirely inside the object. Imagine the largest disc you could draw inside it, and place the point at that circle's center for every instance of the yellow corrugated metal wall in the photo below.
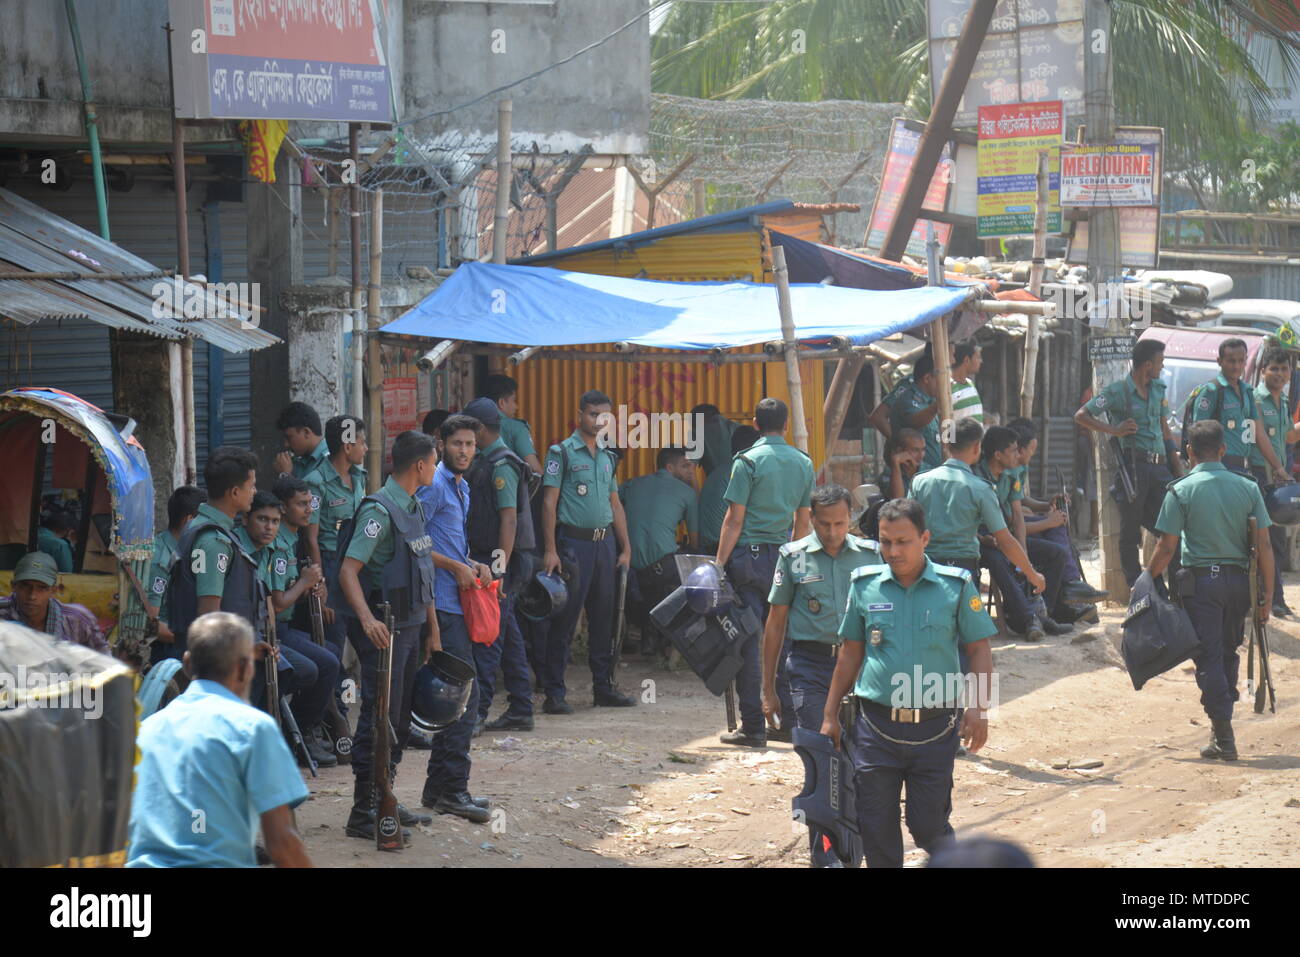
(549, 388)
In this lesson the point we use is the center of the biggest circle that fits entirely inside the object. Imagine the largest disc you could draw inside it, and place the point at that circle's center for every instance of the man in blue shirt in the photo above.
(446, 507)
(212, 767)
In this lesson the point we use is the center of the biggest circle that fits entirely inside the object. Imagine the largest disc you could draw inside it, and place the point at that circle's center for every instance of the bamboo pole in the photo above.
(501, 224)
(1028, 381)
(793, 378)
(374, 354)
(939, 336)
(354, 238)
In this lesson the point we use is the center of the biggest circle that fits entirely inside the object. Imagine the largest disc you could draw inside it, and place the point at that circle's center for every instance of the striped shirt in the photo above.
(966, 401)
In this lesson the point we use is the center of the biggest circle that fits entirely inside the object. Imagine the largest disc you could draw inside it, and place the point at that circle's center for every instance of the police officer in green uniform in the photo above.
(770, 493)
(515, 432)
(810, 591)
(212, 570)
(1207, 511)
(715, 431)
(902, 628)
(915, 407)
(1274, 411)
(713, 509)
(337, 486)
(580, 508)
(959, 501)
(182, 506)
(1229, 400)
(53, 537)
(300, 426)
(387, 557)
(655, 505)
(1135, 408)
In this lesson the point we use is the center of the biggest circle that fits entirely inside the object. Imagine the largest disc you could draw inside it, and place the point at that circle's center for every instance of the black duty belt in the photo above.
(903, 715)
(1218, 569)
(584, 534)
(822, 649)
(1151, 458)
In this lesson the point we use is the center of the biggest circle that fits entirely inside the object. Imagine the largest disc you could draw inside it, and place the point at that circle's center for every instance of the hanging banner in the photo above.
(401, 410)
(1116, 174)
(1010, 138)
(1139, 226)
(305, 60)
(904, 141)
(1033, 52)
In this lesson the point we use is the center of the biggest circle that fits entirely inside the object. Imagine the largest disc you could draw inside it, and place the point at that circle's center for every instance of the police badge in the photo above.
(876, 635)
(223, 562)
(281, 566)
(814, 606)
(372, 528)
(315, 503)
(553, 467)
(582, 488)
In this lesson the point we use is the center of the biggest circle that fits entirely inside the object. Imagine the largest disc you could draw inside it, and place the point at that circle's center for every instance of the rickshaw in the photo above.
(57, 445)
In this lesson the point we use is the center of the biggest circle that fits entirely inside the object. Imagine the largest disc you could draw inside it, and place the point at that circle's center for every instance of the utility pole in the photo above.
(1106, 317)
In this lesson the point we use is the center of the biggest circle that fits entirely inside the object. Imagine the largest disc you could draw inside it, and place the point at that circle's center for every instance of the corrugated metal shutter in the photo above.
(70, 354)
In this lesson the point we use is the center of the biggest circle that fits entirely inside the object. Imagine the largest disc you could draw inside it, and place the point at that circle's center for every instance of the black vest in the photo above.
(483, 523)
(244, 593)
(407, 580)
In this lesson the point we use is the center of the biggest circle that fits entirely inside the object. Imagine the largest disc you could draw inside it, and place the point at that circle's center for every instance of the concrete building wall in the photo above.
(453, 54)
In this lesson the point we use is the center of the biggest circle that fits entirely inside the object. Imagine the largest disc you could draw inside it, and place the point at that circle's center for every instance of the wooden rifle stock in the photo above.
(388, 829)
(340, 732)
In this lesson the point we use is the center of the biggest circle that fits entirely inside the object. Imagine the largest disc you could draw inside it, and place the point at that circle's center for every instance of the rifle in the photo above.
(388, 830)
(1065, 507)
(278, 707)
(340, 732)
(1126, 481)
(620, 591)
(1258, 633)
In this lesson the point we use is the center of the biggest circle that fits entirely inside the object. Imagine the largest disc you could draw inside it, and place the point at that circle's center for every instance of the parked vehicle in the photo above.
(1268, 315)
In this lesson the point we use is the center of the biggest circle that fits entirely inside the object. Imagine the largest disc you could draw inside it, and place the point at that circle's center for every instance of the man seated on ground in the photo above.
(903, 456)
(212, 767)
(1046, 525)
(33, 604)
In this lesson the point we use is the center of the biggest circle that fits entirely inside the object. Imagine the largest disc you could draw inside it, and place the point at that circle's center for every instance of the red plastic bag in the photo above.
(482, 610)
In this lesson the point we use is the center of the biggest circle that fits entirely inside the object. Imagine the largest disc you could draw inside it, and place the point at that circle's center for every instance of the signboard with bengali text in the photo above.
(904, 140)
(1010, 138)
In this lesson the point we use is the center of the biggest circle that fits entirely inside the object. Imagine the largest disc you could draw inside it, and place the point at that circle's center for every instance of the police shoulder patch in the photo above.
(315, 502)
(498, 483)
(778, 577)
(159, 585)
(975, 603)
(281, 566)
(1101, 401)
(372, 528)
(553, 467)
(223, 562)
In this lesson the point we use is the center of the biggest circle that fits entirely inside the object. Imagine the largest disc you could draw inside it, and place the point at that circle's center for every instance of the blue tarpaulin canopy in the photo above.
(532, 306)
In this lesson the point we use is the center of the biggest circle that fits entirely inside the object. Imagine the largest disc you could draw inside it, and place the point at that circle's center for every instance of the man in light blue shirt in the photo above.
(212, 767)
(446, 507)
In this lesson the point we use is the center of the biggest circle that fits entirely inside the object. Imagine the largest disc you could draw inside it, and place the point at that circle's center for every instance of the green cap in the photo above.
(36, 566)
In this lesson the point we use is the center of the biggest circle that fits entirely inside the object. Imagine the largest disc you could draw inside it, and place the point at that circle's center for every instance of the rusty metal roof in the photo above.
(34, 240)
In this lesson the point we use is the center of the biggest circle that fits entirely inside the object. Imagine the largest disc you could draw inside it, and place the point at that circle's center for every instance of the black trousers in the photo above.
(1151, 481)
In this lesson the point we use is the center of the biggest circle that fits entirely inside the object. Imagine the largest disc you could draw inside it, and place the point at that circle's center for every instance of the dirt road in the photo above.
(652, 785)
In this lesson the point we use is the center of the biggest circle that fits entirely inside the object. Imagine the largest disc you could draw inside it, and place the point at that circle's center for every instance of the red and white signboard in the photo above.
(1117, 174)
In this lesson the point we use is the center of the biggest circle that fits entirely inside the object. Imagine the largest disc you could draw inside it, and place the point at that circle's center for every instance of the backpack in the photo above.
(1188, 409)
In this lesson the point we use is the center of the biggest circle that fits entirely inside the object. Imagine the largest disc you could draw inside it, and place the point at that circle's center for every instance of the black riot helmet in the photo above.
(1283, 504)
(442, 690)
(543, 597)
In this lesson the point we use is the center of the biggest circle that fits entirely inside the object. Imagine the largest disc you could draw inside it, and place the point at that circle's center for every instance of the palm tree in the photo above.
(1179, 64)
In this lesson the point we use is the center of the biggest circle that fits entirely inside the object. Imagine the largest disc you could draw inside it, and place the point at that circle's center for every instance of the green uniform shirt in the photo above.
(302, 464)
(505, 477)
(1236, 412)
(816, 586)
(909, 399)
(1120, 401)
(1276, 425)
(210, 570)
(772, 479)
(585, 487)
(912, 634)
(1208, 507)
(164, 549)
(717, 444)
(956, 502)
(332, 502)
(372, 535)
(655, 505)
(712, 507)
(57, 548)
(516, 434)
(282, 562)
(1006, 486)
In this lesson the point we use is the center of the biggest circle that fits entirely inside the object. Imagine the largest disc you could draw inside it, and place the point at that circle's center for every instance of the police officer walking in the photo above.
(580, 507)
(713, 508)
(387, 556)
(1230, 402)
(500, 533)
(810, 590)
(1207, 511)
(770, 491)
(1135, 408)
(655, 505)
(902, 628)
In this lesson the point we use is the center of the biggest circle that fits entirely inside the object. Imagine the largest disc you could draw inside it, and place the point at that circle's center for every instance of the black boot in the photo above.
(405, 815)
(361, 822)
(319, 748)
(1222, 746)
